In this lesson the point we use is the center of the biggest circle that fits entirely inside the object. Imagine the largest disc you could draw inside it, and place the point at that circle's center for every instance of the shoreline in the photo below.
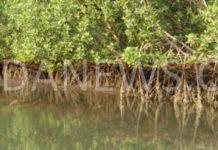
(178, 83)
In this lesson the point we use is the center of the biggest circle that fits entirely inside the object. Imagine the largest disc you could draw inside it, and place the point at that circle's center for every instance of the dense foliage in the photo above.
(109, 30)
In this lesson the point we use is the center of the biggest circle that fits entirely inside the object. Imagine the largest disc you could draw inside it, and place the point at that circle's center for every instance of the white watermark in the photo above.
(129, 76)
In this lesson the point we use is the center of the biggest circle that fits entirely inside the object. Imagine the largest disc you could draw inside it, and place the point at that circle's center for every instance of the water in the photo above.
(95, 121)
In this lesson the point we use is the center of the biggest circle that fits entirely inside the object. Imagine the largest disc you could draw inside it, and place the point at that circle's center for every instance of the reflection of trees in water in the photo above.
(198, 114)
(175, 123)
(212, 120)
(189, 119)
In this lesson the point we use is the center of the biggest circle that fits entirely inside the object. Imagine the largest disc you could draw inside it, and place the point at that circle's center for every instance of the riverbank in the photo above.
(188, 83)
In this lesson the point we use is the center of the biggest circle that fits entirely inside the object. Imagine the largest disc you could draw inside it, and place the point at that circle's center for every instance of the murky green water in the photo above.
(94, 122)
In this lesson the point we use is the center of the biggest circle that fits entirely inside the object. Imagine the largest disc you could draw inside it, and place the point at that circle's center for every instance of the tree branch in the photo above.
(168, 37)
(115, 36)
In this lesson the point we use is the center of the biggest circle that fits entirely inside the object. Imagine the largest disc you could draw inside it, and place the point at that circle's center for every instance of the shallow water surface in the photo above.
(97, 121)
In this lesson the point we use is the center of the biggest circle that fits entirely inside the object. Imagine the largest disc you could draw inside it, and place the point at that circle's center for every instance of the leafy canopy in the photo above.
(107, 31)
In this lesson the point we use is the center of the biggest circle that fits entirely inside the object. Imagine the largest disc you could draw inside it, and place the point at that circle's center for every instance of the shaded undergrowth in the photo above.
(178, 83)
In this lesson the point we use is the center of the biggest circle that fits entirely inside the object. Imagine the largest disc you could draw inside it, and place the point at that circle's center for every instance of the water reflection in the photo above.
(76, 120)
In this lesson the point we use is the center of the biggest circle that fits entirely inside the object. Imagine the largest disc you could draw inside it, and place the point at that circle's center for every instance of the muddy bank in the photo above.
(183, 83)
